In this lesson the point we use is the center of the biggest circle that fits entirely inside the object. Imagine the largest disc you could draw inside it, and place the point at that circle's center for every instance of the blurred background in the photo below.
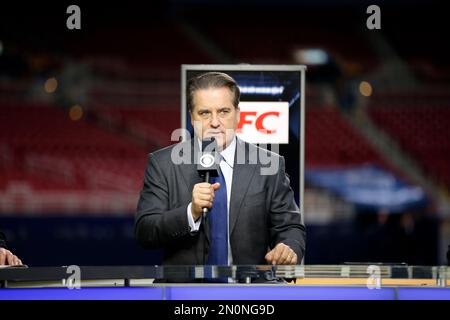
(81, 109)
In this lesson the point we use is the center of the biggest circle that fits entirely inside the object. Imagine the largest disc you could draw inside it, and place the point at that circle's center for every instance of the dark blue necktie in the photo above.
(218, 225)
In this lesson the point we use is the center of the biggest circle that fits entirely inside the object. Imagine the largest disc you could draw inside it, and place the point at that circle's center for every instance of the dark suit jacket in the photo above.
(262, 210)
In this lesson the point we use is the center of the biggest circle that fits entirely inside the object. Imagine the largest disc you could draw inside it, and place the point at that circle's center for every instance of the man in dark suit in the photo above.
(253, 217)
(6, 256)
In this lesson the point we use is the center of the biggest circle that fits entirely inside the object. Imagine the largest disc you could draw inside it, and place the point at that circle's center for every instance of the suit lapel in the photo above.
(189, 168)
(242, 175)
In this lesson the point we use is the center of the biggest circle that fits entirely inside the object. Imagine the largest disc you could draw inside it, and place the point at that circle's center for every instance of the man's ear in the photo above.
(191, 114)
(197, 129)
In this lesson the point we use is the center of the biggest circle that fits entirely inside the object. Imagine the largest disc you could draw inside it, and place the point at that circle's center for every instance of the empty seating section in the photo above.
(44, 148)
(421, 126)
(330, 141)
(153, 52)
(275, 40)
(152, 124)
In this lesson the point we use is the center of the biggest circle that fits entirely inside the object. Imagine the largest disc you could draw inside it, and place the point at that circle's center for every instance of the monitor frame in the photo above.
(260, 67)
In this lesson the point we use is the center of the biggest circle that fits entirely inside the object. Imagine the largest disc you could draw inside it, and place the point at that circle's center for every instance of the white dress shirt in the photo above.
(226, 166)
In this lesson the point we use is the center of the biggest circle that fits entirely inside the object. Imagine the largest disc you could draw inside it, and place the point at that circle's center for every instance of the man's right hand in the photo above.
(8, 258)
(202, 197)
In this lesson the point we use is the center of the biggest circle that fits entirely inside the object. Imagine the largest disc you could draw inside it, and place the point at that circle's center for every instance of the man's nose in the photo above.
(215, 121)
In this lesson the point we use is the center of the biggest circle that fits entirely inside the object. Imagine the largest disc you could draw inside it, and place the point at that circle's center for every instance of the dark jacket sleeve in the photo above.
(157, 225)
(285, 216)
(2, 240)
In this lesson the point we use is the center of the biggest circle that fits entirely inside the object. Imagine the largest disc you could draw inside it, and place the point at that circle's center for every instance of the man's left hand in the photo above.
(281, 254)
(8, 258)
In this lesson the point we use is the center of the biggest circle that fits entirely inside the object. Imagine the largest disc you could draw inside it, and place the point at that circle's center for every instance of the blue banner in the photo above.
(369, 187)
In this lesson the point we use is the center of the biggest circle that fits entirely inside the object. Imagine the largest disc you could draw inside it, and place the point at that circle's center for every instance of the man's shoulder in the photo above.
(167, 152)
(261, 152)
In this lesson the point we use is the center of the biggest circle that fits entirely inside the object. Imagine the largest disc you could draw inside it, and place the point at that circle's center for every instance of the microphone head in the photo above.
(208, 159)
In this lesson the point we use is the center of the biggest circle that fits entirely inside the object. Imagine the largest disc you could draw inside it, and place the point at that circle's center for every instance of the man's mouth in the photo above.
(213, 133)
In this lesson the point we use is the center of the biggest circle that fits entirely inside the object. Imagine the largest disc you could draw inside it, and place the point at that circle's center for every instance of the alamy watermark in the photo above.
(186, 153)
(73, 281)
(74, 20)
(374, 280)
(374, 20)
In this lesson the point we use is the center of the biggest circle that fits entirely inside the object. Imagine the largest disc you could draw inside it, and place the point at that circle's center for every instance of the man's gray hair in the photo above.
(212, 80)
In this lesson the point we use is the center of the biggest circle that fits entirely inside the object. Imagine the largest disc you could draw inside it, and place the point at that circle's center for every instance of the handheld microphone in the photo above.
(208, 162)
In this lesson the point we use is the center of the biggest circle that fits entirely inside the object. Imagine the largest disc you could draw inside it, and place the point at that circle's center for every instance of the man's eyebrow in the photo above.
(208, 110)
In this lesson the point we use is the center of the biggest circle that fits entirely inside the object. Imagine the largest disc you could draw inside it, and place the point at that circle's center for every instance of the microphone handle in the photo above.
(205, 210)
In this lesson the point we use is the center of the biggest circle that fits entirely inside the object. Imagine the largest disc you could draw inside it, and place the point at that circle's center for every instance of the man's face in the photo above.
(214, 115)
